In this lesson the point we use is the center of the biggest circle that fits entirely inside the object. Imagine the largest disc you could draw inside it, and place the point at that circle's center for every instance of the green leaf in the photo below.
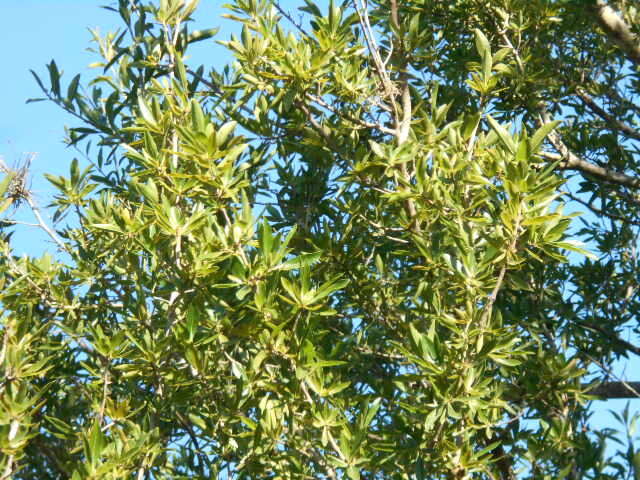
(538, 137)
(6, 204)
(503, 134)
(482, 44)
(145, 112)
(72, 90)
(54, 78)
(470, 125)
(224, 131)
(329, 287)
(353, 473)
(574, 246)
(371, 412)
(376, 148)
(198, 421)
(266, 240)
(107, 226)
(6, 181)
(96, 444)
(301, 261)
(200, 35)
(541, 219)
(337, 388)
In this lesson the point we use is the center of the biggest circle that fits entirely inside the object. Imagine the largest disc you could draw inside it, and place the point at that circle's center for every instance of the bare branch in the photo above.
(21, 193)
(401, 115)
(288, 16)
(617, 30)
(403, 124)
(9, 470)
(359, 121)
(379, 66)
(629, 347)
(611, 121)
(322, 131)
(570, 161)
(621, 389)
(610, 390)
(43, 225)
(601, 212)
(194, 439)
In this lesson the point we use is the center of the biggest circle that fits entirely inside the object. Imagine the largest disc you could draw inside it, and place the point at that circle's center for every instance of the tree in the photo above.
(343, 256)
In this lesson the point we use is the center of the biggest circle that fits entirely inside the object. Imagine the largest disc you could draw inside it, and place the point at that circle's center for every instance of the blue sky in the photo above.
(32, 33)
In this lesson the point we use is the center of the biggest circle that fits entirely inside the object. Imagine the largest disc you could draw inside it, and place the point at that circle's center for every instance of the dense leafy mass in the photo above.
(342, 256)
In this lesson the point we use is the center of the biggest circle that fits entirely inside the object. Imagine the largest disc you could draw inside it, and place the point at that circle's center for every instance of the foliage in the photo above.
(342, 256)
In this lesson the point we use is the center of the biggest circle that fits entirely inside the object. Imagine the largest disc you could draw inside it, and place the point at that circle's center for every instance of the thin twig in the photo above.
(630, 386)
(43, 225)
(389, 89)
(612, 122)
(628, 346)
(359, 121)
(17, 222)
(503, 270)
(288, 16)
(8, 471)
(106, 380)
(194, 439)
(599, 211)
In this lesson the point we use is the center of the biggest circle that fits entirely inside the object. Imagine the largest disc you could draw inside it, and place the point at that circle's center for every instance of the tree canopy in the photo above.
(392, 239)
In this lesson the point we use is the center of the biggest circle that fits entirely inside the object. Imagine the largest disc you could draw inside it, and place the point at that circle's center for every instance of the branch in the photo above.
(379, 67)
(322, 131)
(611, 336)
(486, 316)
(570, 161)
(617, 30)
(402, 115)
(362, 123)
(610, 390)
(288, 16)
(621, 389)
(105, 389)
(402, 124)
(611, 121)
(601, 212)
(504, 463)
(194, 439)
(43, 225)
(54, 457)
(9, 470)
